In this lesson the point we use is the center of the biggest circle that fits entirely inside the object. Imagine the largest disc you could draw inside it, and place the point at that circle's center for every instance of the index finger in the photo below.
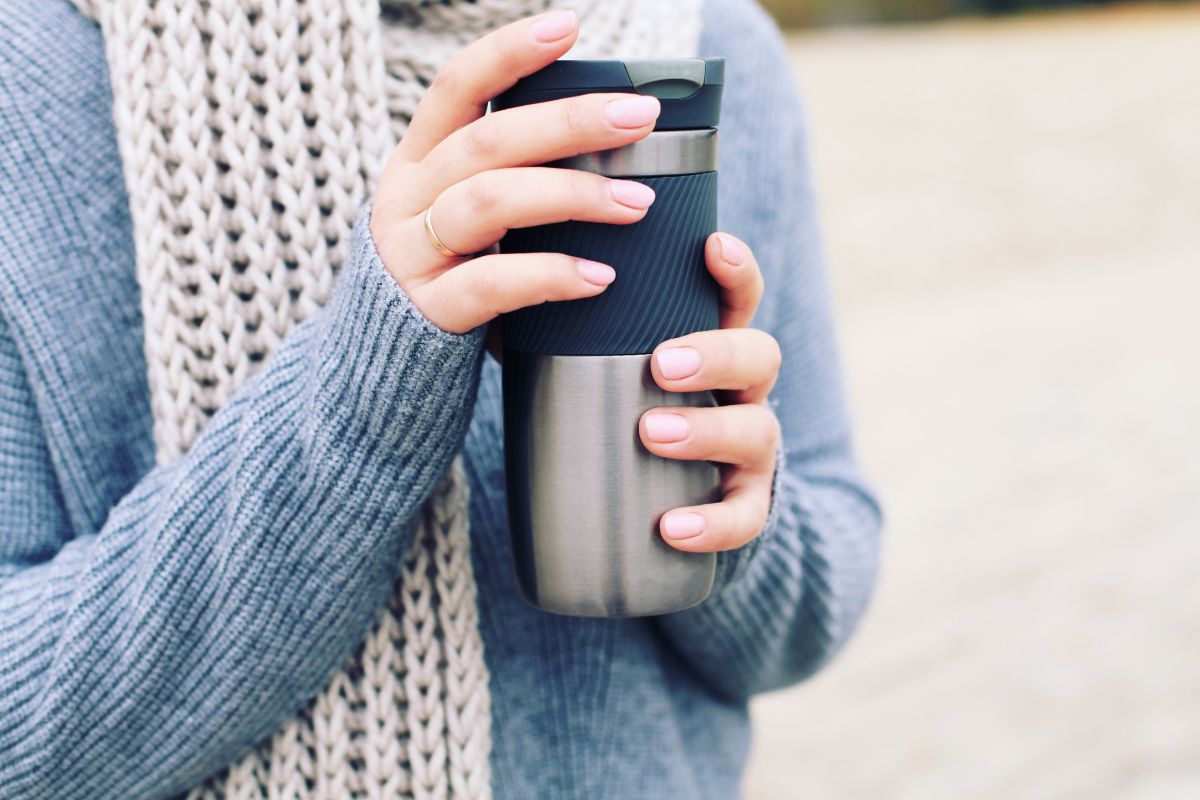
(460, 93)
(535, 134)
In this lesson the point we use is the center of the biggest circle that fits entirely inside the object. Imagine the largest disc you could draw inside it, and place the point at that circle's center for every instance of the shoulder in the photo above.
(742, 33)
(60, 172)
(53, 78)
(762, 119)
(49, 52)
(766, 193)
(66, 239)
(740, 25)
(760, 95)
(54, 86)
(763, 136)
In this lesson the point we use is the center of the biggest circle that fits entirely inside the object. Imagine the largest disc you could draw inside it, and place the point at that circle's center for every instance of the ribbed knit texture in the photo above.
(157, 622)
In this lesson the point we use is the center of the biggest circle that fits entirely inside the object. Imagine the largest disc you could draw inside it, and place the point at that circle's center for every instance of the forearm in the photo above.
(224, 589)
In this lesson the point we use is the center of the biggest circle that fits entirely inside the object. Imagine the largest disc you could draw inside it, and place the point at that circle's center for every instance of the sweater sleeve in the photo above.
(224, 589)
(788, 601)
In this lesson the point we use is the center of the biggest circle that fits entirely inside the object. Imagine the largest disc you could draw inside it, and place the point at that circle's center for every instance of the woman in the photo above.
(159, 622)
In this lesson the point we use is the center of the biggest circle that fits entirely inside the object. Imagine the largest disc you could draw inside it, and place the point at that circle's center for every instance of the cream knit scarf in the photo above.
(251, 131)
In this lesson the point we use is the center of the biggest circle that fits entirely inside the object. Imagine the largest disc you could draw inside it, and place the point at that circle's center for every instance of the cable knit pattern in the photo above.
(160, 623)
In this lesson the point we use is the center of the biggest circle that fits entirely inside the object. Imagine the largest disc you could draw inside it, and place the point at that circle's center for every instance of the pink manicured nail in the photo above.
(597, 273)
(678, 362)
(667, 428)
(636, 111)
(731, 251)
(632, 194)
(683, 525)
(554, 26)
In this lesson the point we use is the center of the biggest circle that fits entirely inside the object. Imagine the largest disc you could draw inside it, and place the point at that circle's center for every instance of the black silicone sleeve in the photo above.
(662, 290)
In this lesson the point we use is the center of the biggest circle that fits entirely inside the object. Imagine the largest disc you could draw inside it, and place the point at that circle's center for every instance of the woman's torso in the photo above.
(581, 708)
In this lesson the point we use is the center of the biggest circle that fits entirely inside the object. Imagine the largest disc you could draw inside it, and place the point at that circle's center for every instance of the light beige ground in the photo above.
(1013, 223)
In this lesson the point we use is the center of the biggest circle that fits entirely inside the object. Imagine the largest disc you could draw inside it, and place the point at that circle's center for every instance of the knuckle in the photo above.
(481, 139)
(548, 289)
(740, 524)
(507, 50)
(575, 116)
(427, 299)
(479, 196)
(539, 282)
(719, 355)
(768, 430)
(752, 281)
(716, 429)
(484, 293)
(555, 282)
(727, 525)
(748, 283)
(771, 351)
(718, 359)
(754, 517)
(580, 188)
(494, 302)
(448, 79)
(394, 169)
(758, 287)
(398, 176)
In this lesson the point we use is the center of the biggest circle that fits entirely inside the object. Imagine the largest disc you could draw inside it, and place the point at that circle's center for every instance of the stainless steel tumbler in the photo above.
(584, 496)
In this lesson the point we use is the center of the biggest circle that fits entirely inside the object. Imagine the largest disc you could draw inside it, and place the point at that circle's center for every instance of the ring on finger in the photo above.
(436, 240)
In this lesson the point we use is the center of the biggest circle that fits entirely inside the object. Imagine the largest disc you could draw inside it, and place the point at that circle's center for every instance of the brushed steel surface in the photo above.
(585, 496)
(661, 153)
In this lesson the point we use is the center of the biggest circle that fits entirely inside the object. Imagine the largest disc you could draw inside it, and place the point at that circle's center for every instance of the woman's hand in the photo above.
(741, 365)
(472, 172)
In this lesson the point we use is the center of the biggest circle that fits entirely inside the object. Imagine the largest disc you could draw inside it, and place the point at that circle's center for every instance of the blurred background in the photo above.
(1011, 209)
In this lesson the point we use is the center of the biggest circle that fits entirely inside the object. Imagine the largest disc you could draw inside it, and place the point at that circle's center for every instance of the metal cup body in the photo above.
(584, 495)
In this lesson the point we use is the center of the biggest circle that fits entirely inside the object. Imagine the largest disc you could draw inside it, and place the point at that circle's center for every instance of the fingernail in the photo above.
(678, 362)
(635, 111)
(553, 26)
(597, 273)
(683, 525)
(731, 251)
(667, 428)
(632, 194)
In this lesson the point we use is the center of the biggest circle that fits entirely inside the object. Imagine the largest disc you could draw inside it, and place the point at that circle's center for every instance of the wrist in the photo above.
(383, 363)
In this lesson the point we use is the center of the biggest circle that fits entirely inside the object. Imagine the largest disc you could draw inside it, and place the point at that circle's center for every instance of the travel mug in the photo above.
(584, 495)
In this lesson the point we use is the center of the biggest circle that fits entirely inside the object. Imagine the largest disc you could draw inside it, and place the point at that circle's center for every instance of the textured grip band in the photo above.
(663, 288)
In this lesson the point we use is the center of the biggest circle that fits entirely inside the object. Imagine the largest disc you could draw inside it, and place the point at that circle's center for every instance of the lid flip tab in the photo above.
(688, 88)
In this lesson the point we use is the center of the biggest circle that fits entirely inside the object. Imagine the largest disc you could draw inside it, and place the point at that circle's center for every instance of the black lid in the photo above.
(689, 88)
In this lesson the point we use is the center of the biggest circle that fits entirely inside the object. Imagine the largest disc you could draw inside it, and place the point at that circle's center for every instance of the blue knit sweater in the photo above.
(155, 622)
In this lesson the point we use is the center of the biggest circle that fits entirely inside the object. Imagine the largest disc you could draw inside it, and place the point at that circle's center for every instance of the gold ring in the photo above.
(435, 240)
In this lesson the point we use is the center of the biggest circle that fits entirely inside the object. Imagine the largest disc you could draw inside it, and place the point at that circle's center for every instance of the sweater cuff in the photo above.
(386, 371)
